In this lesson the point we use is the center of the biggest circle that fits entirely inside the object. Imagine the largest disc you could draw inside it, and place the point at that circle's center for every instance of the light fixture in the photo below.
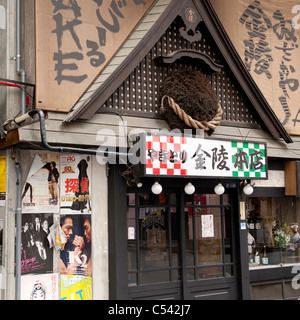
(139, 184)
(219, 189)
(248, 189)
(189, 188)
(156, 188)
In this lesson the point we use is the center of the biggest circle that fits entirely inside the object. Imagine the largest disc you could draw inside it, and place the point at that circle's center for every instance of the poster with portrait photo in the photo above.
(36, 255)
(41, 189)
(76, 258)
(75, 191)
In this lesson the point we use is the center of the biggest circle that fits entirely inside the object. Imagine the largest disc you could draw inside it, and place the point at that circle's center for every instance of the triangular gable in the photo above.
(95, 99)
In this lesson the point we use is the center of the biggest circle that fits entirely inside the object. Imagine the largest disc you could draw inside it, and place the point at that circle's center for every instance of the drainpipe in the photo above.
(20, 72)
(15, 157)
(68, 149)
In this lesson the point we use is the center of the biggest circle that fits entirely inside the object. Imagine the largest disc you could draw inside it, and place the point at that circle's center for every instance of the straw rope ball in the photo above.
(188, 101)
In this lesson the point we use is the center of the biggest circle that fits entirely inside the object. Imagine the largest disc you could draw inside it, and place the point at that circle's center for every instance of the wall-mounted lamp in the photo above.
(156, 188)
(247, 187)
(189, 188)
(219, 189)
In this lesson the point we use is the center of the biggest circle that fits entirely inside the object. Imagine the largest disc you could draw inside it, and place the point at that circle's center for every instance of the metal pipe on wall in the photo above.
(68, 149)
(20, 72)
(15, 157)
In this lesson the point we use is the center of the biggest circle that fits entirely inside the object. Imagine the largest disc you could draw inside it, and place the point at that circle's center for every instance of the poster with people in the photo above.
(75, 287)
(75, 188)
(39, 287)
(41, 189)
(76, 257)
(36, 255)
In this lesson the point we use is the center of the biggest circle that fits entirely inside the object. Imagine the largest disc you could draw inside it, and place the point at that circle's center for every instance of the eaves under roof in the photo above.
(140, 42)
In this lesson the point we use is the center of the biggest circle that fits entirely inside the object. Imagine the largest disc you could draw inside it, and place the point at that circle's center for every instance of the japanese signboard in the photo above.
(74, 41)
(199, 157)
(266, 35)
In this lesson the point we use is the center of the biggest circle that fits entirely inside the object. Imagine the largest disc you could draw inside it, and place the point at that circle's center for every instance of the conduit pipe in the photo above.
(15, 157)
(20, 72)
(69, 149)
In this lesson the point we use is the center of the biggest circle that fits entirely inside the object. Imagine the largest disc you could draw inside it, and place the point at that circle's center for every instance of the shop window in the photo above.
(273, 231)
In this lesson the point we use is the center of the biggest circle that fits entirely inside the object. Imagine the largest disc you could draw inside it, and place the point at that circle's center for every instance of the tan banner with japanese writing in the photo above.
(266, 35)
(74, 41)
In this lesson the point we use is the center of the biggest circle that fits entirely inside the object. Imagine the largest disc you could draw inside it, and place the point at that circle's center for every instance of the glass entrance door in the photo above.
(180, 246)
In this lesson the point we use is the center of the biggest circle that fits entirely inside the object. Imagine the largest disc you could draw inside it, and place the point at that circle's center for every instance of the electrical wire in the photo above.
(15, 85)
(10, 84)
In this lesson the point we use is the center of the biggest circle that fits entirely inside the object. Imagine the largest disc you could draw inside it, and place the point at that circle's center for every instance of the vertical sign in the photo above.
(266, 35)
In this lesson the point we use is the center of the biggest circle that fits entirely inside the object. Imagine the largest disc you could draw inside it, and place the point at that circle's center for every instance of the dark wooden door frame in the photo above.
(117, 220)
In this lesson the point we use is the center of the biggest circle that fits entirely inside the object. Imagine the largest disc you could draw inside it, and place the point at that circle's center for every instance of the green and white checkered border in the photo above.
(246, 146)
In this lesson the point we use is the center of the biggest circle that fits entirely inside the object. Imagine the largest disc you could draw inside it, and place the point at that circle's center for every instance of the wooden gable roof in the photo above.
(165, 11)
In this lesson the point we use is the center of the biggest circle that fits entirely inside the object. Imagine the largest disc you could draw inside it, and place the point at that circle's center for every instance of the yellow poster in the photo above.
(3, 174)
(75, 287)
(2, 180)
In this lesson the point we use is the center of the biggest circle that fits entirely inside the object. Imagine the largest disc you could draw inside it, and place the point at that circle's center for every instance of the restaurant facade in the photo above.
(148, 152)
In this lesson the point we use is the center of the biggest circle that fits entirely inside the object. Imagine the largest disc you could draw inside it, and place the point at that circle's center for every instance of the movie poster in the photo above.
(75, 287)
(2, 180)
(75, 184)
(41, 190)
(36, 255)
(39, 287)
(76, 257)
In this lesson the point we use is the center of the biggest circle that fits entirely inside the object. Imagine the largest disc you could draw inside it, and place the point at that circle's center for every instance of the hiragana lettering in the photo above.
(175, 156)
(95, 62)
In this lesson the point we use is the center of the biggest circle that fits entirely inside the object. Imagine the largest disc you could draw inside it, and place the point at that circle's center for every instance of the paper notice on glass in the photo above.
(207, 223)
